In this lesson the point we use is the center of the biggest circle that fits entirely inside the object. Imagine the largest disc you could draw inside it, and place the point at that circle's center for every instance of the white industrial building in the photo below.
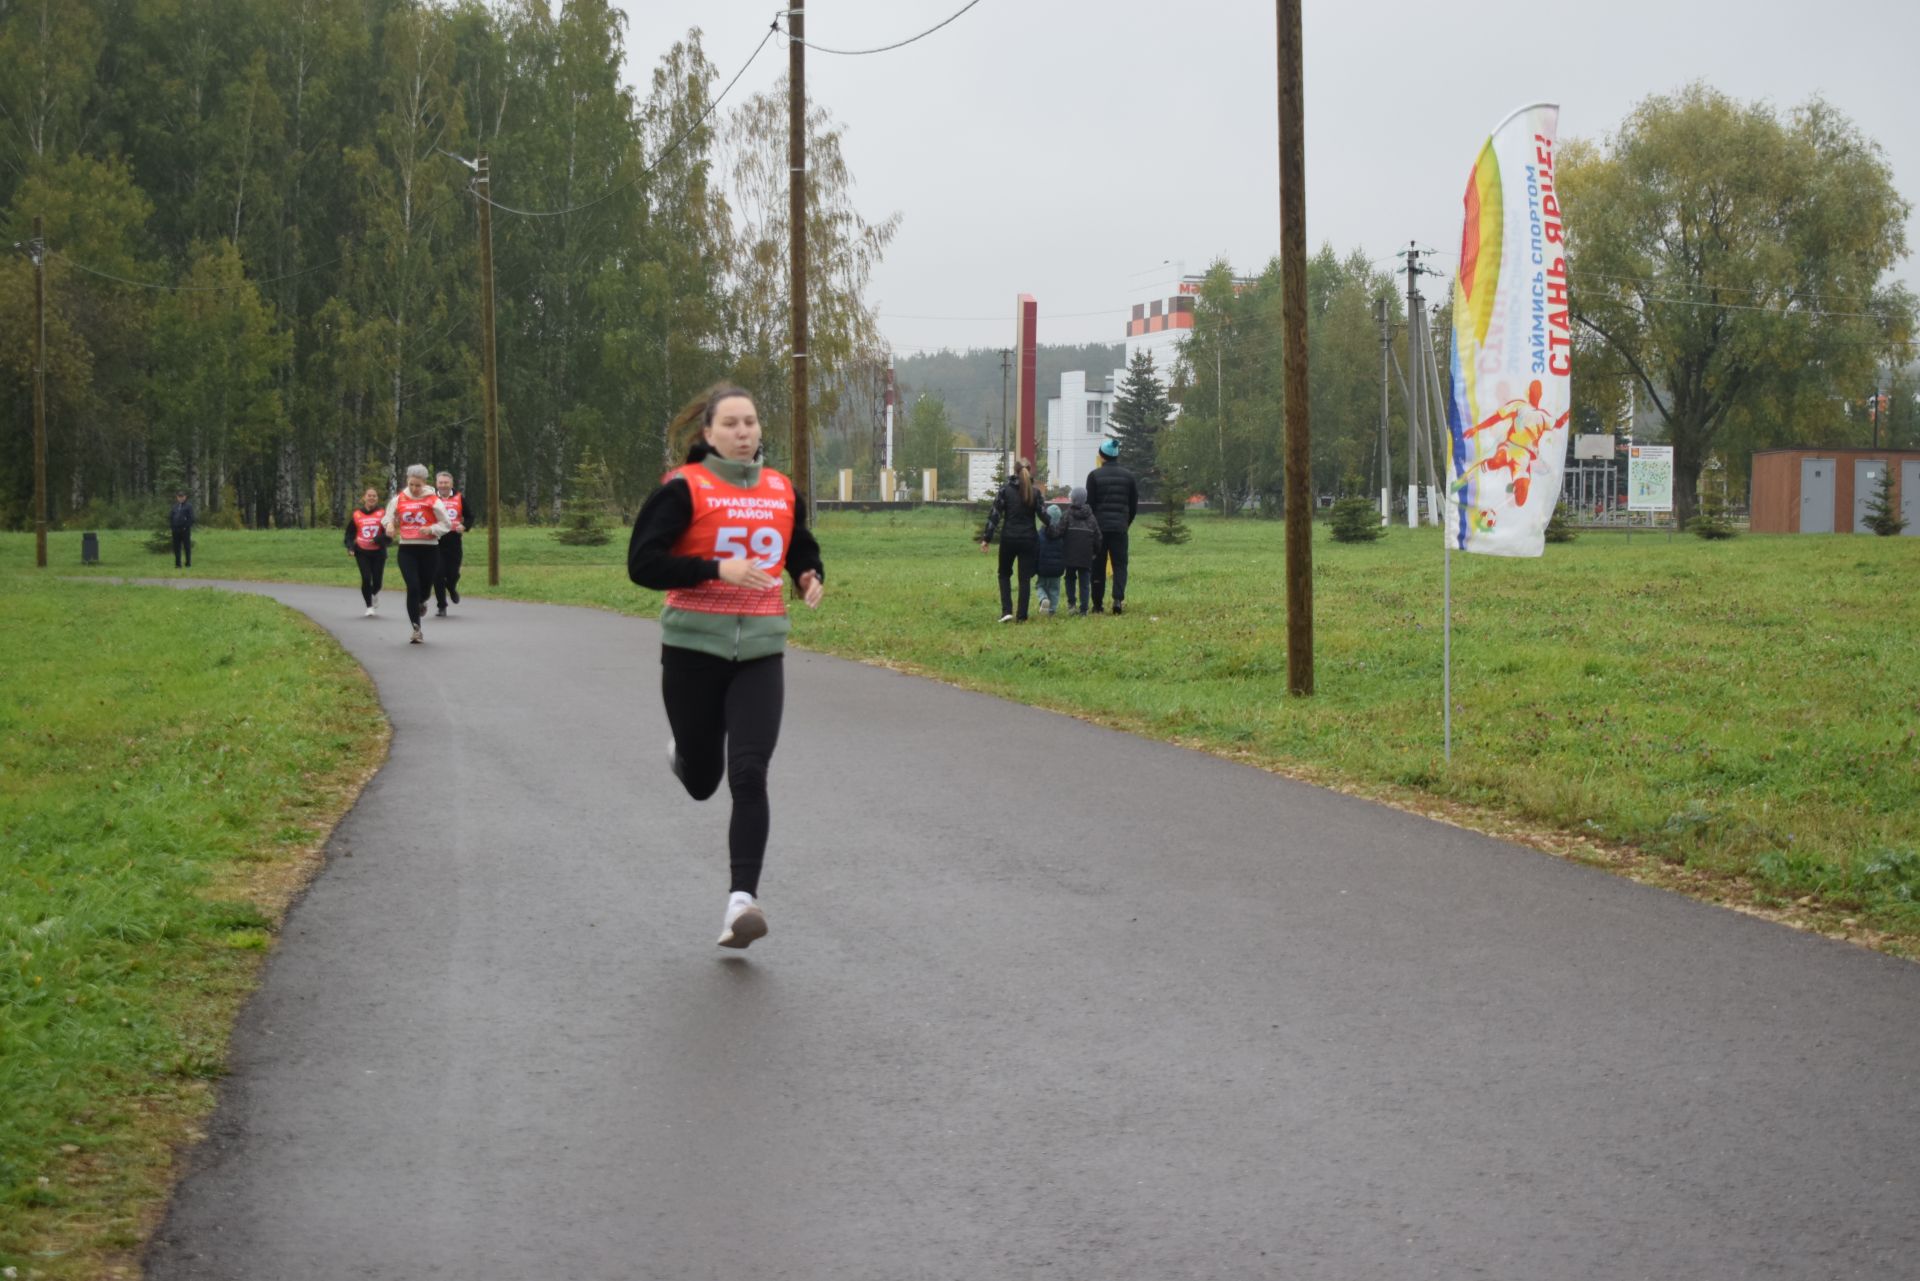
(1077, 418)
(1076, 424)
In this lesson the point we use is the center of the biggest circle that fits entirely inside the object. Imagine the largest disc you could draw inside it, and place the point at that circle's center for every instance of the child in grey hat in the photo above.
(1083, 548)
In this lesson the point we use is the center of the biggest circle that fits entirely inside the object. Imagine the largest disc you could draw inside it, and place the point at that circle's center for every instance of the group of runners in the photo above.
(716, 537)
(425, 523)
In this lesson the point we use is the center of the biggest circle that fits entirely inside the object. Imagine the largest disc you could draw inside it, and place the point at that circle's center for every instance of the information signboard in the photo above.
(1650, 478)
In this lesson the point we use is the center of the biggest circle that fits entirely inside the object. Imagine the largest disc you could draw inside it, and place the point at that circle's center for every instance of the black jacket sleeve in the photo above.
(650, 559)
(352, 530)
(995, 514)
(803, 553)
(1133, 497)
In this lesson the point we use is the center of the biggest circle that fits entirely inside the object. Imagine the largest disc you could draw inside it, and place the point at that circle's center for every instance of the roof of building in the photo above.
(1840, 449)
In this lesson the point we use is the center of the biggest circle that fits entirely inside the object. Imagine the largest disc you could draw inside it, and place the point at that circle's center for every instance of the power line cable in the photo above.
(658, 160)
(244, 282)
(885, 48)
(1752, 291)
(1045, 315)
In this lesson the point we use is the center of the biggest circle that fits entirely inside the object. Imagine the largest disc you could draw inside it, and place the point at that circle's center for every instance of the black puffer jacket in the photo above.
(1018, 517)
(1083, 537)
(1114, 495)
(1051, 560)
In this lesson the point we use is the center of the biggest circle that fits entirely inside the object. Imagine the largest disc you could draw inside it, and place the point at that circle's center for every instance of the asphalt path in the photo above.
(1040, 1000)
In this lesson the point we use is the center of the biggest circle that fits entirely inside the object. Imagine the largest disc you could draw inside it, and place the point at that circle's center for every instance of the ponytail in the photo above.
(1023, 468)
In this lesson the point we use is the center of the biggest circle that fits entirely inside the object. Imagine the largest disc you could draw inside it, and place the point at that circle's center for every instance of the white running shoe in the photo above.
(369, 611)
(1006, 618)
(744, 923)
(417, 637)
(673, 759)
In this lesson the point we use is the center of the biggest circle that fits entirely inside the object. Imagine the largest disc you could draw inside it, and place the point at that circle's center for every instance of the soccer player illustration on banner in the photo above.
(1518, 451)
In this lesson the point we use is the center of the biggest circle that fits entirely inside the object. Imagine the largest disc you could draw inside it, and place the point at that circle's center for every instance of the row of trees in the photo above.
(264, 262)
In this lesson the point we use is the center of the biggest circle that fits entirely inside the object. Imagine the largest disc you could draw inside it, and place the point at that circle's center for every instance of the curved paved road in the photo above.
(1040, 1000)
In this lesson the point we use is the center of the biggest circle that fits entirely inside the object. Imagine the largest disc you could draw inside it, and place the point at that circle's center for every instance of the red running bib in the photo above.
(366, 529)
(414, 517)
(731, 523)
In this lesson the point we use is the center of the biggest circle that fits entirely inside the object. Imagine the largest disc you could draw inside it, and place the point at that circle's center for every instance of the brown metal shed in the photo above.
(1826, 491)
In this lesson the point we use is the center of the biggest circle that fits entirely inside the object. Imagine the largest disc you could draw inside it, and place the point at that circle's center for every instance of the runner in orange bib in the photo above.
(716, 537)
(416, 519)
(366, 539)
(446, 578)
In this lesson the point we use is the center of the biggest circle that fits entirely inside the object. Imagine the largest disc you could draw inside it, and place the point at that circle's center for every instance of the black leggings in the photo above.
(373, 571)
(417, 563)
(1113, 548)
(1024, 554)
(447, 578)
(726, 721)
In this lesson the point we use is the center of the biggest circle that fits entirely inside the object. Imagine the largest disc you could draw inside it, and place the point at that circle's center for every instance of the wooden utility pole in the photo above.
(1386, 444)
(797, 222)
(1416, 386)
(39, 394)
(1293, 324)
(490, 389)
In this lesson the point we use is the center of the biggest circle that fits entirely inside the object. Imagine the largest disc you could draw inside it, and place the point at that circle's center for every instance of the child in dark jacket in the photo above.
(1052, 559)
(1083, 548)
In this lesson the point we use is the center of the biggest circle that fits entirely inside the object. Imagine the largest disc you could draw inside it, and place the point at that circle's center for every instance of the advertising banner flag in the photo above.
(1512, 344)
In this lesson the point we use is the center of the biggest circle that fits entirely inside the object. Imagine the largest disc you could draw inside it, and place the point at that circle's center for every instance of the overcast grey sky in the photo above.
(1065, 148)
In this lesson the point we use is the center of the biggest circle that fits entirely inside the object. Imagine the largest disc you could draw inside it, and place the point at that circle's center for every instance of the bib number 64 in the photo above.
(763, 546)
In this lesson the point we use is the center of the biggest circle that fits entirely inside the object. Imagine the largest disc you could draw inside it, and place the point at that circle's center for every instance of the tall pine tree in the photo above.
(1140, 414)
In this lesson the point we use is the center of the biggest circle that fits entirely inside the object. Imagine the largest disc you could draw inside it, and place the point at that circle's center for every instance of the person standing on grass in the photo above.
(1082, 550)
(180, 522)
(367, 543)
(715, 538)
(446, 581)
(1114, 495)
(1015, 507)
(1050, 561)
(416, 519)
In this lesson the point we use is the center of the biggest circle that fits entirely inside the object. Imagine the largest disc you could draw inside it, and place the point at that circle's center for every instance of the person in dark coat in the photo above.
(1051, 560)
(1114, 495)
(1083, 549)
(180, 522)
(1015, 509)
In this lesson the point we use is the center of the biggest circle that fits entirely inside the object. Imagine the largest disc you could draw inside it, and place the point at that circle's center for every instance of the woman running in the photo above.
(416, 519)
(367, 543)
(715, 537)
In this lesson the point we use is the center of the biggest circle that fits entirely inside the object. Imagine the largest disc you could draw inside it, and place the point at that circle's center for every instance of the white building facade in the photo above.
(1077, 421)
(1159, 325)
(981, 465)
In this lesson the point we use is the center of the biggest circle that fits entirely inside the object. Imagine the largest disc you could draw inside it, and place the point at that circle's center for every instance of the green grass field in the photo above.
(1733, 719)
(169, 762)
(1745, 711)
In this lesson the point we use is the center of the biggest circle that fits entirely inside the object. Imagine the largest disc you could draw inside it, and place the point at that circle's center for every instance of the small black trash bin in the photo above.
(90, 548)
